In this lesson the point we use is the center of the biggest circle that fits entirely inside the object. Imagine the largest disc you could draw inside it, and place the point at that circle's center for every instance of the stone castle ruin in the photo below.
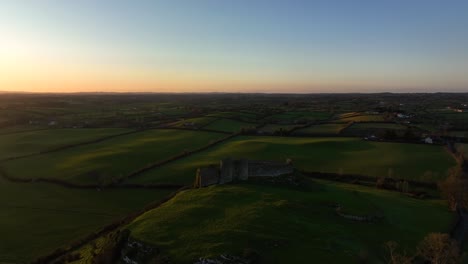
(230, 170)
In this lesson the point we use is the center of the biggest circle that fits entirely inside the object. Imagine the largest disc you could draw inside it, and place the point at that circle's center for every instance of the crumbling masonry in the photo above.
(230, 170)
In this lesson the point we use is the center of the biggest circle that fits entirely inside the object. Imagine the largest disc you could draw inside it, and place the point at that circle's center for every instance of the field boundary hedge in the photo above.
(84, 143)
(119, 183)
(71, 185)
(174, 158)
(197, 129)
(24, 131)
(347, 178)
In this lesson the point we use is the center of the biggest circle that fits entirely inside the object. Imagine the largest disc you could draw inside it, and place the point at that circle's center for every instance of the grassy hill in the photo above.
(233, 219)
(24, 143)
(36, 218)
(332, 129)
(228, 125)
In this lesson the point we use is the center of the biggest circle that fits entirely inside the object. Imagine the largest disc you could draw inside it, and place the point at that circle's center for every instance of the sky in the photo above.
(273, 46)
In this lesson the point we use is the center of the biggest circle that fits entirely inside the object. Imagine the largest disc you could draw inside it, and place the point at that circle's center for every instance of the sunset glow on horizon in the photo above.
(233, 46)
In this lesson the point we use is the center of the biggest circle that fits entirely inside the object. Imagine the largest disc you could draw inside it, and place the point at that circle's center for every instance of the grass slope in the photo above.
(346, 155)
(197, 121)
(363, 118)
(332, 129)
(228, 125)
(291, 116)
(23, 143)
(37, 218)
(272, 128)
(99, 163)
(287, 225)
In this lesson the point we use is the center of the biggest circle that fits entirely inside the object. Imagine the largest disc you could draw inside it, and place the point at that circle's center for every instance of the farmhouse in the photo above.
(428, 140)
(234, 170)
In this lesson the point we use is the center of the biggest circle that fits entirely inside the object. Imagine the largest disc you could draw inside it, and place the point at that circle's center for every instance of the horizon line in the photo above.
(227, 93)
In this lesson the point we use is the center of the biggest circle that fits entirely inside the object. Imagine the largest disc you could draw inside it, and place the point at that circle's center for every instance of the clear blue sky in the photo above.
(201, 45)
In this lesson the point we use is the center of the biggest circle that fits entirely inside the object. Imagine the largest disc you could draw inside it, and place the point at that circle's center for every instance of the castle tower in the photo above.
(227, 171)
(197, 183)
(243, 169)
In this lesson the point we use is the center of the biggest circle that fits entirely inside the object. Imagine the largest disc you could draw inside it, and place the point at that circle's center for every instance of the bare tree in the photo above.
(438, 248)
(393, 256)
(455, 189)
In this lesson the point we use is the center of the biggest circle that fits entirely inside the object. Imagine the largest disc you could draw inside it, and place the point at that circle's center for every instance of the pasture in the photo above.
(228, 125)
(333, 155)
(462, 134)
(272, 128)
(233, 219)
(242, 115)
(24, 143)
(196, 122)
(363, 118)
(36, 218)
(364, 129)
(290, 117)
(323, 129)
(108, 160)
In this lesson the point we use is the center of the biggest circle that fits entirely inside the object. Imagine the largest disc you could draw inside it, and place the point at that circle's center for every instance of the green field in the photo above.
(228, 125)
(363, 129)
(458, 120)
(345, 115)
(102, 162)
(245, 116)
(334, 155)
(377, 126)
(172, 110)
(331, 129)
(35, 218)
(229, 219)
(290, 117)
(458, 134)
(363, 118)
(197, 122)
(23, 143)
(19, 128)
(453, 116)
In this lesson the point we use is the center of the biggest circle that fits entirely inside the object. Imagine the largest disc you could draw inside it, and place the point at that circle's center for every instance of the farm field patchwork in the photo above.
(197, 122)
(66, 162)
(272, 128)
(334, 155)
(289, 117)
(361, 129)
(363, 118)
(231, 219)
(245, 116)
(331, 129)
(105, 161)
(48, 216)
(23, 143)
(377, 126)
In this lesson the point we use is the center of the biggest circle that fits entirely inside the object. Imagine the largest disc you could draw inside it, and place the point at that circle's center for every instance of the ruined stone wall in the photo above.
(269, 169)
(240, 170)
(243, 170)
(206, 177)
